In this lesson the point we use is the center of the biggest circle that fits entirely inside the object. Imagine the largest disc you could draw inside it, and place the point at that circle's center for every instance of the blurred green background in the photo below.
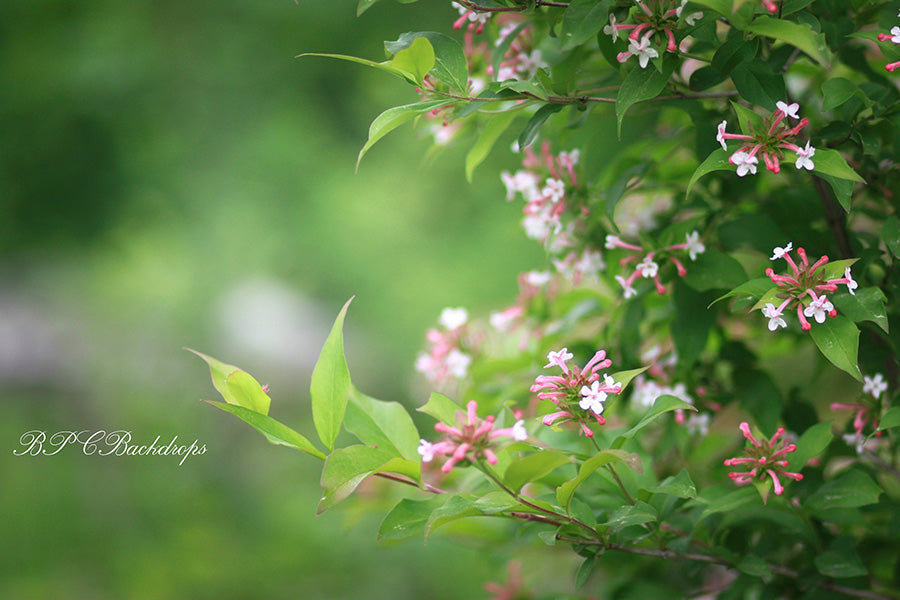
(170, 176)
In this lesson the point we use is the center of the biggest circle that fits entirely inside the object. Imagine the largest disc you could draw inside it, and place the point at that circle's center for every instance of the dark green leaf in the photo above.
(798, 35)
(752, 564)
(537, 119)
(758, 83)
(679, 485)
(632, 514)
(890, 419)
(581, 21)
(890, 233)
(639, 85)
(565, 492)
(836, 91)
(663, 404)
(717, 161)
(851, 490)
(866, 305)
(840, 563)
(838, 340)
(692, 323)
(714, 270)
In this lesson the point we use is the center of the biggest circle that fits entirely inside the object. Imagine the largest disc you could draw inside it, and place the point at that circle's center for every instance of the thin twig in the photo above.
(425, 486)
(496, 9)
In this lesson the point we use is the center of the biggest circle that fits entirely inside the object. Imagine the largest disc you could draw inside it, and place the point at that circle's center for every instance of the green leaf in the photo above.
(532, 467)
(714, 270)
(363, 6)
(632, 514)
(836, 91)
(838, 340)
(692, 323)
(730, 501)
(489, 135)
(450, 64)
(566, 491)
(831, 162)
(529, 87)
(393, 118)
(866, 305)
(639, 85)
(386, 66)
(581, 21)
(851, 490)
(840, 563)
(585, 569)
(717, 161)
(812, 443)
(275, 432)
(457, 507)
(750, 291)
(842, 188)
(758, 83)
(890, 419)
(723, 7)
(748, 119)
(752, 564)
(386, 425)
(663, 404)
(409, 517)
(345, 468)
(799, 35)
(417, 59)
(537, 119)
(625, 377)
(890, 233)
(735, 51)
(679, 485)
(236, 386)
(330, 386)
(441, 408)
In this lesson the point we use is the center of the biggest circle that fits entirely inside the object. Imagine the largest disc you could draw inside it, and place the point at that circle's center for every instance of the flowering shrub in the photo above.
(631, 171)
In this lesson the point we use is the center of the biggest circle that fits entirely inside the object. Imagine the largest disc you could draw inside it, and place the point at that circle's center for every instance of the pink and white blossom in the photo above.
(875, 385)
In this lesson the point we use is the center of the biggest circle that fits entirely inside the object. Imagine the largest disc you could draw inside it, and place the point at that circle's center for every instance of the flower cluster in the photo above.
(472, 439)
(660, 21)
(769, 143)
(445, 359)
(867, 409)
(766, 458)
(803, 289)
(648, 267)
(578, 392)
(893, 36)
(476, 19)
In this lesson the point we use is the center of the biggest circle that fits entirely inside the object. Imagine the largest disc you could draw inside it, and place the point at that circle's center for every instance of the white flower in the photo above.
(629, 291)
(457, 363)
(648, 268)
(789, 110)
(855, 440)
(524, 182)
(519, 433)
(774, 316)
(851, 283)
(744, 163)
(643, 50)
(538, 278)
(818, 308)
(611, 28)
(453, 318)
(697, 423)
(720, 136)
(592, 398)
(694, 246)
(559, 358)
(591, 261)
(874, 385)
(554, 189)
(528, 64)
(895, 34)
(426, 451)
(780, 252)
(803, 158)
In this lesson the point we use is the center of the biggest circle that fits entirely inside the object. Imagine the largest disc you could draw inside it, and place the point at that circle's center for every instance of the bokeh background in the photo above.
(172, 176)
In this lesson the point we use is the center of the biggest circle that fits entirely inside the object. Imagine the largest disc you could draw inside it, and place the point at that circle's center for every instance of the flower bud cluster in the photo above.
(658, 22)
(766, 458)
(446, 359)
(770, 143)
(648, 263)
(472, 439)
(578, 392)
(867, 409)
(893, 36)
(804, 290)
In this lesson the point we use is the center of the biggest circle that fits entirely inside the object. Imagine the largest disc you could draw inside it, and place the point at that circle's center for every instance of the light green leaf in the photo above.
(417, 59)
(717, 161)
(749, 120)
(581, 21)
(799, 35)
(275, 432)
(450, 64)
(723, 7)
(625, 377)
(749, 291)
(236, 386)
(409, 517)
(532, 467)
(385, 425)
(866, 305)
(813, 442)
(663, 404)
(345, 468)
(486, 140)
(851, 490)
(890, 419)
(831, 162)
(566, 491)
(639, 85)
(679, 485)
(441, 408)
(838, 340)
(393, 118)
(330, 385)
(457, 507)
(386, 66)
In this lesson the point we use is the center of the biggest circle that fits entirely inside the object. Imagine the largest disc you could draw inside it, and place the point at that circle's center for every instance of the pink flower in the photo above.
(774, 316)
(789, 110)
(745, 163)
(818, 308)
(804, 156)
(765, 458)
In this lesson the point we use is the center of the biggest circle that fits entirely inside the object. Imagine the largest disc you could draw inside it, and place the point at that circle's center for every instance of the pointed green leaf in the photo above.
(838, 340)
(625, 377)
(752, 564)
(275, 432)
(532, 467)
(758, 83)
(492, 130)
(851, 490)
(330, 386)
(714, 270)
(385, 425)
(566, 491)
(456, 507)
(749, 120)
(663, 404)
(632, 514)
(247, 392)
(386, 66)
(812, 443)
(233, 394)
(866, 305)
(841, 563)
(537, 119)
(890, 419)
(836, 91)
(639, 85)
(441, 408)
(393, 118)
(363, 5)
(450, 64)
(679, 485)
(799, 35)
(730, 501)
(409, 517)
(716, 161)
(417, 59)
(890, 233)
(749, 291)
(723, 7)
(581, 21)
(831, 162)
(345, 468)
